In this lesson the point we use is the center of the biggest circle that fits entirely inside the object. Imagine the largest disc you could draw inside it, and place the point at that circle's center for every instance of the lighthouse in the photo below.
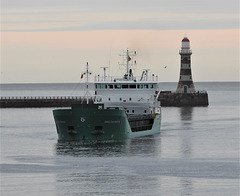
(185, 95)
(185, 84)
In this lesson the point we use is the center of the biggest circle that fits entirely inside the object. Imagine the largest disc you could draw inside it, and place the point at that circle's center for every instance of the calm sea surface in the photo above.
(196, 153)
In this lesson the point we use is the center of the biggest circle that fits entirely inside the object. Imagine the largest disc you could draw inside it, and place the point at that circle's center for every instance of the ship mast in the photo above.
(87, 93)
(104, 73)
(127, 58)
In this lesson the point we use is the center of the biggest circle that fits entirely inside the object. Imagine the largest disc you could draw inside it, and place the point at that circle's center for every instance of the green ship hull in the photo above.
(93, 122)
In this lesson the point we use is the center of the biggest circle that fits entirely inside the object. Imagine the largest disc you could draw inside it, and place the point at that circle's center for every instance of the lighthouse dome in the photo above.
(185, 39)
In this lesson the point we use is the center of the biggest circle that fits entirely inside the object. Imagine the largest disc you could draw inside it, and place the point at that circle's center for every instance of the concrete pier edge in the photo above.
(168, 98)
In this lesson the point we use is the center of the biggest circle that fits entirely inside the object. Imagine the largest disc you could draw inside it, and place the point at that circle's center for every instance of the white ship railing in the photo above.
(151, 78)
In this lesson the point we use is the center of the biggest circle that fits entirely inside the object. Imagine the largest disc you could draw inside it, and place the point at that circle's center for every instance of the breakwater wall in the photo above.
(168, 98)
(33, 102)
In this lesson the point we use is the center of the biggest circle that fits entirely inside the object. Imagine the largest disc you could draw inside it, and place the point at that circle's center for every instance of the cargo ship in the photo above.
(121, 108)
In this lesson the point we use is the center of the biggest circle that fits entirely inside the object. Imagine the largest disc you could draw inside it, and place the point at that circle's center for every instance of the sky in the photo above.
(50, 41)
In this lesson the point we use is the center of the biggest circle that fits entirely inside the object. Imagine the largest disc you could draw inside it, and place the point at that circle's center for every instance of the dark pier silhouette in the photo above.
(39, 102)
(169, 98)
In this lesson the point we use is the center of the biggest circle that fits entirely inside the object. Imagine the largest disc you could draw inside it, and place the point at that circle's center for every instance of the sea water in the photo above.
(196, 153)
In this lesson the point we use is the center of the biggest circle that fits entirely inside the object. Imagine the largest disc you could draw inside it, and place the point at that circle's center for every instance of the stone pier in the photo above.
(168, 98)
(40, 102)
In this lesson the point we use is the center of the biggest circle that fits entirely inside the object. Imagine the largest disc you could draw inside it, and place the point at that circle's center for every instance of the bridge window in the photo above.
(140, 85)
(152, 85)
(145, 85)
(110, 86)
(132, 85)
(117, 86)
(98, 86)
(104, 86)
(124, 86)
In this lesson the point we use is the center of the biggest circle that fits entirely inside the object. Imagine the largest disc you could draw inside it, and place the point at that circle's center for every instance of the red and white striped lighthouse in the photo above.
(185, 84)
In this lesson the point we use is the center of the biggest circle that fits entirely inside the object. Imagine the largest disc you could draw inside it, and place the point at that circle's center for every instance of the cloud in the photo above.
(85, 15)
(203, 6)
(78, 20)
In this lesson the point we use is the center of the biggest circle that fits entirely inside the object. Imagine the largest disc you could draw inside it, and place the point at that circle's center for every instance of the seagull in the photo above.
(165, 67)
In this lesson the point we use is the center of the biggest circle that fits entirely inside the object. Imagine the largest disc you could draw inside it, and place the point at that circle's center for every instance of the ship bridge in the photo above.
(134, 94)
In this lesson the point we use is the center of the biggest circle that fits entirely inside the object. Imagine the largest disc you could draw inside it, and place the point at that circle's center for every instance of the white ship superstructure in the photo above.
(128, 93)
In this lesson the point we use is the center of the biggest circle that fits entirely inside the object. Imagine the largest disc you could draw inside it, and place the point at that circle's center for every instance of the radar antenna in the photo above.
(145, 72)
